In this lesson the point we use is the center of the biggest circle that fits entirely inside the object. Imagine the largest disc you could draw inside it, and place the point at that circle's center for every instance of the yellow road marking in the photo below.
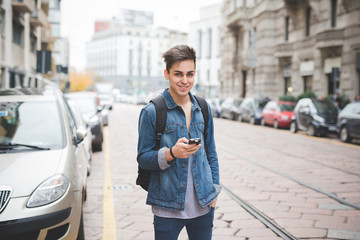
(109, 227)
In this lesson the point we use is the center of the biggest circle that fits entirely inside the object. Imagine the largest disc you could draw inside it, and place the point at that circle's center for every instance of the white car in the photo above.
(43, 167)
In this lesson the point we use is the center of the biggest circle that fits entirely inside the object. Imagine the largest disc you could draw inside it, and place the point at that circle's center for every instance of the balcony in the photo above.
(45, 35)
(38, 18)
(330, 38)
(284, 50)
(240, 17)
(23, 6)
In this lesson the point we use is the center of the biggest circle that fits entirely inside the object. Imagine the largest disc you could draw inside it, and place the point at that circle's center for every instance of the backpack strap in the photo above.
(161, 114)
(205, 111)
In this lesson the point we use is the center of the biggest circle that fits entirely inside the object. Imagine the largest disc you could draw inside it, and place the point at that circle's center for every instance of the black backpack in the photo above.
(143, 177)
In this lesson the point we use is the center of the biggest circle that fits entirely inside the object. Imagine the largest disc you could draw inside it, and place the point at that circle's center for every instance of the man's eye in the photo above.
(190, 74)
(178, 74)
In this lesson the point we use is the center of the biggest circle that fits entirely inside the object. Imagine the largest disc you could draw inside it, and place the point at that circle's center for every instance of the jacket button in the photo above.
(182, 125)
(182, 185)
(183, 165)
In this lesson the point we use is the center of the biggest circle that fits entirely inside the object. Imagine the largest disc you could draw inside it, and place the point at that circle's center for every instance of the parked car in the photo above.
(43, 167)
(230, 108)
(251, 110)
(348, 123)
(88, 104)
(278, 114)
(106, 100)
(80, 124)
(215, 105)
(316, 117)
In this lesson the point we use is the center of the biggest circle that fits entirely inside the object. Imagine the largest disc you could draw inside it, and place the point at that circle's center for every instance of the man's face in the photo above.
(181, 77)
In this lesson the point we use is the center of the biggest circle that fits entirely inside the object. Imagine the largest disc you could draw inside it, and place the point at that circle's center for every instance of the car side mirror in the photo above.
(99, 109)
(80, 134)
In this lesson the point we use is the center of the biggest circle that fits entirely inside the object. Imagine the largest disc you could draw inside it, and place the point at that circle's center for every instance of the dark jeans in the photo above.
(199, 228)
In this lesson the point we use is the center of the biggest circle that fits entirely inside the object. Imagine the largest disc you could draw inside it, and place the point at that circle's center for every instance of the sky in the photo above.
(78, 17)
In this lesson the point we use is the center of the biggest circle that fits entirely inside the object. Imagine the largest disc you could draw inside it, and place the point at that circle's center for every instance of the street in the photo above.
(276, 185)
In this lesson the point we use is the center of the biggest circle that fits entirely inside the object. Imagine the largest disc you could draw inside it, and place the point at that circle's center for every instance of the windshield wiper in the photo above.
(14, 145)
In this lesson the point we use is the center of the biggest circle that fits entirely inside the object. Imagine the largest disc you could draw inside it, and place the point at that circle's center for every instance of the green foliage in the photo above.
(308, 94)
(287, 98)
(344, 100)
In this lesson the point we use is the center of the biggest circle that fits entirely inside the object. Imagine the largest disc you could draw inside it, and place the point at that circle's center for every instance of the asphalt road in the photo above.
(277, 185)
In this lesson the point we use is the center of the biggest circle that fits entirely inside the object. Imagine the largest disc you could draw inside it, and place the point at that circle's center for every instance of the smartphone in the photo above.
(194, 140)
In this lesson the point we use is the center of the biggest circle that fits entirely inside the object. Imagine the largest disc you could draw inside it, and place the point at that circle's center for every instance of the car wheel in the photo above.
(311, 130)
(276, 124)
(263, 122)
(252, 120)
(81, 233)
(293, 127)
(344, 134)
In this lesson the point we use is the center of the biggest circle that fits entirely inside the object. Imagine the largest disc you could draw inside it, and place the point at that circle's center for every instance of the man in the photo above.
(184, 181)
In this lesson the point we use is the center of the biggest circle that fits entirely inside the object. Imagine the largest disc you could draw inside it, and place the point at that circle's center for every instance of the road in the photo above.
(276, 185)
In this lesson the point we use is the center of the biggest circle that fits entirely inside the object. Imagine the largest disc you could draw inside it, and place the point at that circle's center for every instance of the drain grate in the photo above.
(122, 187)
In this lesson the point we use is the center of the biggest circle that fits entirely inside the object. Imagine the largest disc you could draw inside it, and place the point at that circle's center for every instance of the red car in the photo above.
(278, 114)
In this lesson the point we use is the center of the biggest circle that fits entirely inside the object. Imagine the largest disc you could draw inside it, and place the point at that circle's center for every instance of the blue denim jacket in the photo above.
(167, 187)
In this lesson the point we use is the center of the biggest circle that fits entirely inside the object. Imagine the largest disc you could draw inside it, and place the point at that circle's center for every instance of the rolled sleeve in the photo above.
(162, 160)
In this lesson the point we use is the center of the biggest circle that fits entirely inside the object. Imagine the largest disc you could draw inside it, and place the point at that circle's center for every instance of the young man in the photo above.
(184, 182)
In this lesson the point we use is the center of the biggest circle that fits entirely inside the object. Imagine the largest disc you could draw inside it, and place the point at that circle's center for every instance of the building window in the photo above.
(2, 22)
(287, 85)
(130, 62)
(287, 28)
(333, 13)
(208, 75)
(210, 42)
(307, 83)
(17, 33)
(33, 44)
(307, 23)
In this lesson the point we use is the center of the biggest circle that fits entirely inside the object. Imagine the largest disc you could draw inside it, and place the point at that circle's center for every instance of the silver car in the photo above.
(43, 167)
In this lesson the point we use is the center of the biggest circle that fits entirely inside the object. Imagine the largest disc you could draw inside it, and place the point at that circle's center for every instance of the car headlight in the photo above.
(284, 117)
(319, 119)
(258, 114)
(49, 191)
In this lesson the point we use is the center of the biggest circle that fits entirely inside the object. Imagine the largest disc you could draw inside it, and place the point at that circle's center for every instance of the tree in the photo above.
(80, 81)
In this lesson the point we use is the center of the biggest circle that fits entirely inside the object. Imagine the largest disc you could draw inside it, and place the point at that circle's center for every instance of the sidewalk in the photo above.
(133, 218)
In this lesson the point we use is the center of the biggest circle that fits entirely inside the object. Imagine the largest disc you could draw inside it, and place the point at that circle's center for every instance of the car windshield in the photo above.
(85, 105)
(325, 107)
(286, 107)
(34, 123)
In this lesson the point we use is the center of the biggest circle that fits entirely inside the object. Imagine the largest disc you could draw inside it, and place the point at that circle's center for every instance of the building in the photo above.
(277, 47)
(25, 37)
(204, 36)
(127, 52)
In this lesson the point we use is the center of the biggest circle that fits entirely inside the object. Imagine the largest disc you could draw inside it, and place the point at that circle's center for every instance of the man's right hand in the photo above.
(181, 149)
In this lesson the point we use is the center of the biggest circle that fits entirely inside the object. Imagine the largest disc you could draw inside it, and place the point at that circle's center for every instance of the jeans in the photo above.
(199, 228)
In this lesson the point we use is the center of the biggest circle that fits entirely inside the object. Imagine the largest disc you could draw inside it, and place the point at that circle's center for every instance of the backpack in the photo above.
(143, 177)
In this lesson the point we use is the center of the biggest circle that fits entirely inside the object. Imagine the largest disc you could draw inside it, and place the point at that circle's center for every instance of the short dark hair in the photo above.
(178, 53)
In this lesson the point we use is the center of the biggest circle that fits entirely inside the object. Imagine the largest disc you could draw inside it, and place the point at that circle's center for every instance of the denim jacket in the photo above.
(167, 187)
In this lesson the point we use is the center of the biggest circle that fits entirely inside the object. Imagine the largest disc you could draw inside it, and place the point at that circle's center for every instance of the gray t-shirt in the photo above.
(192, 207)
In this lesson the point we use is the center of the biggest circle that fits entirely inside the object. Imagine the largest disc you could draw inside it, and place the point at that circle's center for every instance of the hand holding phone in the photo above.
(194, 141)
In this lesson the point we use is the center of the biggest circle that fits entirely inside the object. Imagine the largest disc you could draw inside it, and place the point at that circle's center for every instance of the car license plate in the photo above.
(332, 128)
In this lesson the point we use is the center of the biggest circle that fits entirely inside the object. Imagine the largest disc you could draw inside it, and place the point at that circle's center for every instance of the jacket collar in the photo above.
(170, 101)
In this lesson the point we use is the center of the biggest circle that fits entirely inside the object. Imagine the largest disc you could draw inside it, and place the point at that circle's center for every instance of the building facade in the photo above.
(128, 54)
(204, 36)
(277, 47)
(25, 30)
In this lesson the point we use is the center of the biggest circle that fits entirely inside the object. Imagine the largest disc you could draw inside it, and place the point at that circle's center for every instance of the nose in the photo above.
(185, 78)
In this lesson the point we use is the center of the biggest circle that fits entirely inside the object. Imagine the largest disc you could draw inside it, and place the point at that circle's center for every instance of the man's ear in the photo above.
(166, 74)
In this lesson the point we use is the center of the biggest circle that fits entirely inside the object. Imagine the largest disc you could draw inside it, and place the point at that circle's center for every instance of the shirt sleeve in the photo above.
(162, 160)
